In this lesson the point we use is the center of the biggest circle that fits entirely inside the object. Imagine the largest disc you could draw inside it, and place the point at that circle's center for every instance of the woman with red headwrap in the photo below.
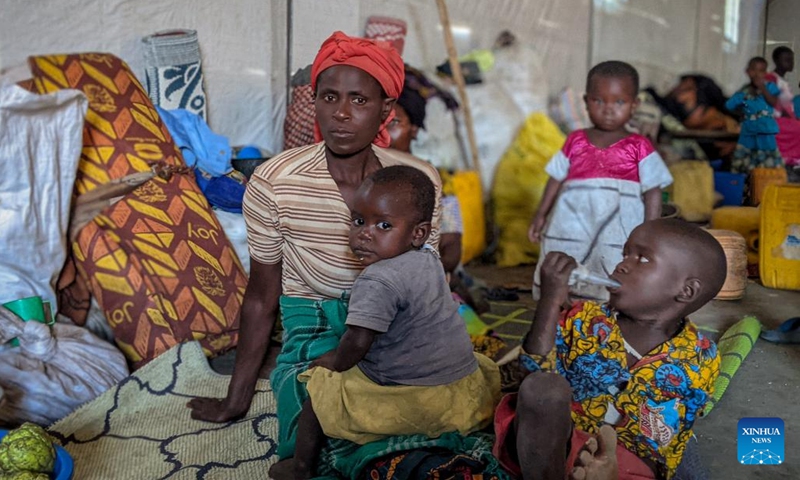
(298, 221)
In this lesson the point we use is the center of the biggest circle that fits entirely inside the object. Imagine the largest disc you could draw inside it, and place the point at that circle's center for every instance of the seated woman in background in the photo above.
(409, 118)
(698, 103)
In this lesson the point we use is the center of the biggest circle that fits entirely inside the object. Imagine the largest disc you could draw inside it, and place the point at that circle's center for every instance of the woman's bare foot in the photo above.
(283, 470)
(598, 458)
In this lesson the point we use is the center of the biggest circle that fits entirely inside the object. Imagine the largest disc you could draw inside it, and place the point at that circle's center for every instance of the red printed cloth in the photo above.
(157, 261)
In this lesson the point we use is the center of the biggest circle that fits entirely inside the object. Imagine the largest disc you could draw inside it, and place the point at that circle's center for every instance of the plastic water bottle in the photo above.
(583, 275)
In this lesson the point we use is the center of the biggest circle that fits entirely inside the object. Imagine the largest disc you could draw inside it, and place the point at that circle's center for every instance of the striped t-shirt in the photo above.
(295, 214)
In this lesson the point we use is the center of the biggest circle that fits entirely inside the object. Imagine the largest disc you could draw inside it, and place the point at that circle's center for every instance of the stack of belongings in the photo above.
(47, 369)
(144, 241)
(174, 71)
(210, 156)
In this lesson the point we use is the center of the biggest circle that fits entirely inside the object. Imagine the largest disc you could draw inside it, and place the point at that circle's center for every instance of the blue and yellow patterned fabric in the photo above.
(657, 399)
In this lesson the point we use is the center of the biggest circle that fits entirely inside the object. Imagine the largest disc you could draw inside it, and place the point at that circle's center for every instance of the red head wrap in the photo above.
(378, 59)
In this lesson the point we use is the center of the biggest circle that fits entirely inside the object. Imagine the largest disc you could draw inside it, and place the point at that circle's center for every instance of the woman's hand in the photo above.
(555, 273)
(217, 410)
(258, 314)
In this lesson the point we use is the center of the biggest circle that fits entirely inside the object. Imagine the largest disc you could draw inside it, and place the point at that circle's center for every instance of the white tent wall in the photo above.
(558, 29)
(662, 38)
(243, 42)
(666, 38)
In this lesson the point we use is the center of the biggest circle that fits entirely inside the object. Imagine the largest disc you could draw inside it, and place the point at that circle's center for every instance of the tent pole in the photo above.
(289, 27)
(444, 18)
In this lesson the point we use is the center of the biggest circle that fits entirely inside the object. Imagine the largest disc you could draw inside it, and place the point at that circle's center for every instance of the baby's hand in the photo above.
(327, 360)
(535, 230)
(555, 273)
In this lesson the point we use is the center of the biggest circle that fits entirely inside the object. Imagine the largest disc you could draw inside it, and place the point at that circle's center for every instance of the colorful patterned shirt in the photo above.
(656, 400)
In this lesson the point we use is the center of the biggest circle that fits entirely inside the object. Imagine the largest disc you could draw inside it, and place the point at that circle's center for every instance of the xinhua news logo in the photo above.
(760, 441)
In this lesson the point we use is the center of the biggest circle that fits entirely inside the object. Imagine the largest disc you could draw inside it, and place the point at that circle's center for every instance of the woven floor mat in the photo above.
(141, 428)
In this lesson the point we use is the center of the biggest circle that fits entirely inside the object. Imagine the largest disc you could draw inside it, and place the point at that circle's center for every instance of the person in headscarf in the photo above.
(403, 129)
(377, 59)
(297, 210)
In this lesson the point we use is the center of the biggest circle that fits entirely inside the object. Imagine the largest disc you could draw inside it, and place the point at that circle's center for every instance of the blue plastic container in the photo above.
(249, 151)
(63, 466)
(731, 186)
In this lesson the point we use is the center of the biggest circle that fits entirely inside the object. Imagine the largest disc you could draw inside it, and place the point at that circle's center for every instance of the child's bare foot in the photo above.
(598, 458)
(283, 470)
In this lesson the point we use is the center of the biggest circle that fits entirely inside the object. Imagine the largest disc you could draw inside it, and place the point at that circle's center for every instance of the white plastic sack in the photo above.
(40, 144)
(519, 72)
(438, 142)
(52, 373)
(512, 90)
(236, 230)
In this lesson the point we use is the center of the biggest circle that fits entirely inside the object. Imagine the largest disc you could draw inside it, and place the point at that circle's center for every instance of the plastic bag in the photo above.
(40, 143)
(53, 372)
(466, 186)
(519, 185)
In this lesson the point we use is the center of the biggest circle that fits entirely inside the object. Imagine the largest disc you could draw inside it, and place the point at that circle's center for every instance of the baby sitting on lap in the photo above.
(405, 364)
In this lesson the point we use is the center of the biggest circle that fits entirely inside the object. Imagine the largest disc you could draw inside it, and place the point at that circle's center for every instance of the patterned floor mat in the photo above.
(509, 321)
(141, 429)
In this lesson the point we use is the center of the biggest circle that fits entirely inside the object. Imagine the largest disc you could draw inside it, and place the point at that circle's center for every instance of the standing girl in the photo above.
(783, 57)
(755, 101)
(603, 183)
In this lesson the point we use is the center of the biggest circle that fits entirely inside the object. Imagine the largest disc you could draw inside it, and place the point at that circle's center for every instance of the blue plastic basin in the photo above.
(63, 467)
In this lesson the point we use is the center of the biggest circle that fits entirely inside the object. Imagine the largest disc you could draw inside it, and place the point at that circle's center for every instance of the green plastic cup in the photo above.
(27, 309)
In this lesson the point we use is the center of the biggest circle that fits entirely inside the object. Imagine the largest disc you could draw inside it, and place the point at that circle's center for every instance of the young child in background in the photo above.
(405, 364)
(603, 183)
(783, 58)
(755, 101)
(636, 363)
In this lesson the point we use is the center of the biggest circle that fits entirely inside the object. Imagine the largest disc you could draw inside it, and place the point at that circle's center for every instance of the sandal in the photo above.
(500, 294)
(788, 332)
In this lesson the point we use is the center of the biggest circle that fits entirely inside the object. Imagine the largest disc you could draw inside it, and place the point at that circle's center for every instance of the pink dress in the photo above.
(785, 107)
(600, 202)
(788, 137)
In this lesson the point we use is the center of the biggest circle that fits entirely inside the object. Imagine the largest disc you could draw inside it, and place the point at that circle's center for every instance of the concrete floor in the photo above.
(766, 385)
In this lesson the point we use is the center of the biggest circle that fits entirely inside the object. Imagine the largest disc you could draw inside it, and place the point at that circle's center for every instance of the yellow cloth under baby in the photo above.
(352, 407)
